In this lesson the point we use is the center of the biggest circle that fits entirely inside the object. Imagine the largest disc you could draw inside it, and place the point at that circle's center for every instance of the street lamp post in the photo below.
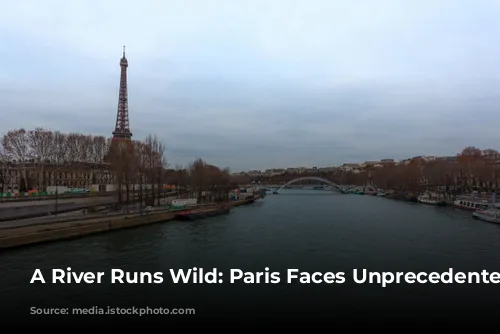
(57, 193)
(57, 172)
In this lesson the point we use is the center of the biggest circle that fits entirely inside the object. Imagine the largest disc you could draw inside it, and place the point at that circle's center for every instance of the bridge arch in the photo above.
(311, 178)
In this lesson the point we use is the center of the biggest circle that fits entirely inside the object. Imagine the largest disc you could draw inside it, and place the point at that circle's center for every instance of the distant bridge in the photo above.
(311, 178)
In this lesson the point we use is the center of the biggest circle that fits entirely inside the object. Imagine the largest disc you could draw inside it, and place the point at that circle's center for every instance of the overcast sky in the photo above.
(260, 83)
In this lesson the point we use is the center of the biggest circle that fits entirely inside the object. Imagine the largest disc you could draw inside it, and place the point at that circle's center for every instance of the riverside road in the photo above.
(311, 231)
(21, 210)
(14, 210)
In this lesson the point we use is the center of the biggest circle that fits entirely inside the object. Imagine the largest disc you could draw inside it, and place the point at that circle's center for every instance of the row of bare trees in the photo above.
(207, 182)
(40, 148)
(139, 168)
(471, 169)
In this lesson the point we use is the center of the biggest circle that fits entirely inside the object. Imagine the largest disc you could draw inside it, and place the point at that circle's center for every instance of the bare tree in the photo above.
(140, 170)
(16, 147)
(198, 177)
(121, 158)
(4, 170)
(156, 163)
(41, 142)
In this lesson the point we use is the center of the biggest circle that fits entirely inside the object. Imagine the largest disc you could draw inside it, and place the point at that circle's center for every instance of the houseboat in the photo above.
(471, 204)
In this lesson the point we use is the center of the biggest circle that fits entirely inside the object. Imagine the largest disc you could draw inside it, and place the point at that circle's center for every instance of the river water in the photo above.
(307, 230)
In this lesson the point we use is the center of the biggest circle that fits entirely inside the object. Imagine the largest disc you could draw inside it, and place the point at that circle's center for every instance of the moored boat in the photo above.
(249, 199)
(491, 215)
(430, 200)
(177, 207)
(471, 204)
(203, 213)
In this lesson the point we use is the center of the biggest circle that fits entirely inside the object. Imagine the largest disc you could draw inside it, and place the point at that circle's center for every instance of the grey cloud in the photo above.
(251, 85)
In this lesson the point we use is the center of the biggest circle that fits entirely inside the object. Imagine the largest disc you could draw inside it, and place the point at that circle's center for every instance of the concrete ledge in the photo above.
(59, 231)
(30, 229)
(28, 239)
(56, 220)
(64, 196)
(243, 202)
(73, 228)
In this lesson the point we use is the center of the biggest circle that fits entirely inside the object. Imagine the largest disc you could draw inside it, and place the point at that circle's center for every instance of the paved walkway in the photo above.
(75, 215)
(17, 215)
(15, 204)
(41, 210)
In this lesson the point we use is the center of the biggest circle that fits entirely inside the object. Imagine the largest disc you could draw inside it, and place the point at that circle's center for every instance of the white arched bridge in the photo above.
(312, 178)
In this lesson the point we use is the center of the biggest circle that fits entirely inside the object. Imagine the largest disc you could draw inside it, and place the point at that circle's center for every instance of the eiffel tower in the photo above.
(122, 128)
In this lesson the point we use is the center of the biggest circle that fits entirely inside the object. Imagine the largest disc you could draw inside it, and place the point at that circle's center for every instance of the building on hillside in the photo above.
(447, 158)
(351, 167)
(274, 172)
(293, 170)
(368, 164)
(327, 169)
(254, 173)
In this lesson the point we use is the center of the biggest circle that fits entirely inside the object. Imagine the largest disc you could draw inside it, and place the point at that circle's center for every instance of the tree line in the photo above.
(140, 168)
(471, 169)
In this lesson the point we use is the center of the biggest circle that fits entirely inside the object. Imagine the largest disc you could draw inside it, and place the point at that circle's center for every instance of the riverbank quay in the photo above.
(42, 199)
(17, 233)
(66, 198)
(244, 201)
(59, 230)
(448, 199)
(52, 202)
(26, 200)
(27, 210)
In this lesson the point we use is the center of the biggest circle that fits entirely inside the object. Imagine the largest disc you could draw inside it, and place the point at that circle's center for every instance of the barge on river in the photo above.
(491, 215)
(203, 212)
(430, 200)
(471, 204)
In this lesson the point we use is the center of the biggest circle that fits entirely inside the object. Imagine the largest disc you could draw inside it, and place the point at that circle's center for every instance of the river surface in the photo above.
(307, 230)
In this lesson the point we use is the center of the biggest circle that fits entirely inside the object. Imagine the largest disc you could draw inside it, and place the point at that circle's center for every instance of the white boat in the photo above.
(430, 201)
(471, 204)
(489, 215)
